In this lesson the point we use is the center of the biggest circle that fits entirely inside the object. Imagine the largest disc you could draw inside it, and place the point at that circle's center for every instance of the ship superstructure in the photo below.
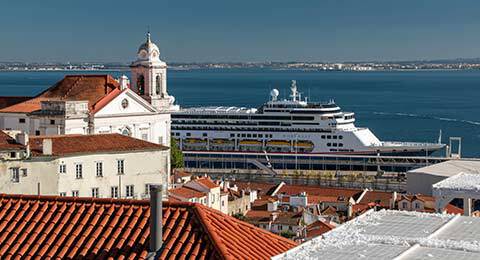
(287, 126)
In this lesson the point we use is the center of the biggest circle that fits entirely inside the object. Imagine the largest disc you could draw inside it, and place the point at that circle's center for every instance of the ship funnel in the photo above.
(293, 87)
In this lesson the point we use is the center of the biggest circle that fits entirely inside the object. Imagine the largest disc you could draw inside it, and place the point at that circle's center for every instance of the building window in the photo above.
(95, 192)
(62, 168)
(15, 174)
(417, 205)
(160, 140)
(21, 120)
(52, 121)
(37, 132)
(78, 170)
(147, 188)
(114, 191)
(141, 85)
(145, 137)
(99, 169)
(121, 166)
(404, 205)
(24, 172)
(62, 194)
(75, 193)
(126, 131)
(13, 155)
(129, 191)
(158, 84)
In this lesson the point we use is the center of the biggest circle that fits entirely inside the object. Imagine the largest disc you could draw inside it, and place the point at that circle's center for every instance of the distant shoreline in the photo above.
(213, 69)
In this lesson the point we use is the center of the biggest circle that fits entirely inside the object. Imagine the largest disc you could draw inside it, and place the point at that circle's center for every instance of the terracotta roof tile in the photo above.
(80, 144)
(69, 227)
(206, 182)
(9, 143)
(10, 101)
(317, 228)
(186, 192)
(91, 88)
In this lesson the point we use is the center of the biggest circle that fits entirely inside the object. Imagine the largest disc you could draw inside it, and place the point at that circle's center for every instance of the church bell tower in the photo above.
(149, 76)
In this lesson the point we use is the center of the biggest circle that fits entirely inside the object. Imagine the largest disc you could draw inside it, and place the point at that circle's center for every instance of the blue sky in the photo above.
(261, 30)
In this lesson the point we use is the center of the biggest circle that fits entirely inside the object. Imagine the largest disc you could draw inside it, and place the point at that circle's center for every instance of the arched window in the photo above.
(141, 85)
(126, 131)
(158, 84)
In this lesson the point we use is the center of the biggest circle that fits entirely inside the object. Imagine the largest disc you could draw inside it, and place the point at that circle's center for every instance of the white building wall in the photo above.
(38, 172)
(141, 168)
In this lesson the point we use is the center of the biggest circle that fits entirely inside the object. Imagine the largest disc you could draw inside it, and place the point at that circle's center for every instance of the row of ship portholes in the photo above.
(332, 136)
(335, 144)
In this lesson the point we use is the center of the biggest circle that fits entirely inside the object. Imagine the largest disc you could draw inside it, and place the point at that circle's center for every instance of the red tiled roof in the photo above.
(69, 227)
(329, 211)
(262, 188)
(451, 209)
(10, 101)
(187, 193)
(181, 174)
(81, 144)
(319, 191)
(104, 101)
(206, 182)
(317, 228)
(382, 198)
(9, 143)
(91, 88)
(313, 199)
(259, 215)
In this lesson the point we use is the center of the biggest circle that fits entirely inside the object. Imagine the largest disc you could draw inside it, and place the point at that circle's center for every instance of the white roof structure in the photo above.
(389, 234)
(450, 168)
(463, 182)
(463, 185)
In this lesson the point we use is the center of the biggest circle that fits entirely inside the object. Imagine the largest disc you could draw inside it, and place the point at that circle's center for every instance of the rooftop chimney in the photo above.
(22, 138)
(156, 237)
(124, 82)
(47, 146)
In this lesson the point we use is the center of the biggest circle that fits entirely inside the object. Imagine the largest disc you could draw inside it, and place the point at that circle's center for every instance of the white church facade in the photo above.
(92, 104)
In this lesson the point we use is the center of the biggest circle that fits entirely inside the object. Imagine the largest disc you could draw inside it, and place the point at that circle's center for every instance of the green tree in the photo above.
(176, 155)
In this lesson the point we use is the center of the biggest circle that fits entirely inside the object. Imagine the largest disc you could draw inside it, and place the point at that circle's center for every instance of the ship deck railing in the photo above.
(409, 144)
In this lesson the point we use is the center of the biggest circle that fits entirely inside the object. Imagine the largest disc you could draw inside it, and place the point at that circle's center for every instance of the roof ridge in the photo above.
(73, 86)
(74, 199)
(216, 241)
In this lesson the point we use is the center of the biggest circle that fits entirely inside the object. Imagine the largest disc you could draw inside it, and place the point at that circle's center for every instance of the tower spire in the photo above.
(148, 35)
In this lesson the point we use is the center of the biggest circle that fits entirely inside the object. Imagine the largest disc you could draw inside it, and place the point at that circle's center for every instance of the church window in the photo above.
(158, 84)
(141, 85)
(125, 103)
(126, 131)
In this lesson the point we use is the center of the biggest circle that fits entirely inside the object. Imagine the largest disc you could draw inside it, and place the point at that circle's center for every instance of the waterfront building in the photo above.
(100, 165)
(421, 180)
(46, 227)
(99, 104)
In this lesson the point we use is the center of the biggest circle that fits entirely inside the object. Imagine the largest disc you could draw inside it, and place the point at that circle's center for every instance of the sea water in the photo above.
(395, 105)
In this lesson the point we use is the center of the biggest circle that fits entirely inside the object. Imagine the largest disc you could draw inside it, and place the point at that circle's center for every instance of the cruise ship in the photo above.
(284, 126)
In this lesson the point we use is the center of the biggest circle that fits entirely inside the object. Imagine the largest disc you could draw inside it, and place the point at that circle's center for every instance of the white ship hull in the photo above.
(284, 126)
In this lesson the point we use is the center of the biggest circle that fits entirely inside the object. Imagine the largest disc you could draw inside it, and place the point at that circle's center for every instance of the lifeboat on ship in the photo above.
(250, 145)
